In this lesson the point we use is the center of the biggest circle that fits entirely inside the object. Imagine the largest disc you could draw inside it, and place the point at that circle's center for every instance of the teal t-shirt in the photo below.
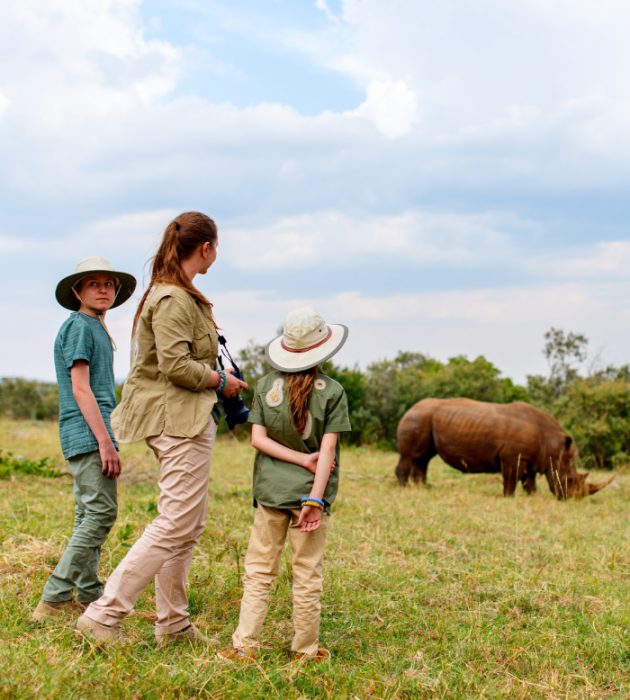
(83, 337)
(279, 484)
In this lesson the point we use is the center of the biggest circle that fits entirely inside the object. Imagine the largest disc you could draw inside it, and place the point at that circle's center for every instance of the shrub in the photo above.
(10, 465)
(596, 412)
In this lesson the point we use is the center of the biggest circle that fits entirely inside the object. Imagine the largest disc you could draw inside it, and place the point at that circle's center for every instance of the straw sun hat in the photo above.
(306, 341)
(125, 283)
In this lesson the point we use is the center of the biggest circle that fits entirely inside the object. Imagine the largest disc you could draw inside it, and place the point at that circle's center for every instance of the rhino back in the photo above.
(473, 435)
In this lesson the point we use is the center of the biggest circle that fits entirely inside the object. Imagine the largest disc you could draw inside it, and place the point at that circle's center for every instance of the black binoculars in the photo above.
(233, 407)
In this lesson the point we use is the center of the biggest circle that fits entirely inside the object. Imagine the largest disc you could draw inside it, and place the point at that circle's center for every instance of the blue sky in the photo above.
(449, 178)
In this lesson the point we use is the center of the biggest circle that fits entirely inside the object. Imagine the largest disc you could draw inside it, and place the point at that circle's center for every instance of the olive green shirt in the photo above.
(173, 352)
(280, 484)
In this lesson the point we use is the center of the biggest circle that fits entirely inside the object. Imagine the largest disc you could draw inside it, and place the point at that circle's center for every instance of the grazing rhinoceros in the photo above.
(516, 439)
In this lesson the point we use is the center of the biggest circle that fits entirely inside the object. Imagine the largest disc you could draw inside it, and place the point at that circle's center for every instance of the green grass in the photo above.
(446, 592)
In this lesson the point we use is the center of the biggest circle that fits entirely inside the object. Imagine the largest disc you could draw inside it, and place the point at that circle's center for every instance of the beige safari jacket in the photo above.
(173, 352)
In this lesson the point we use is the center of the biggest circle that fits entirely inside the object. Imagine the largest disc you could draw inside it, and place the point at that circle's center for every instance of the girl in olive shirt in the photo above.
(297, 415)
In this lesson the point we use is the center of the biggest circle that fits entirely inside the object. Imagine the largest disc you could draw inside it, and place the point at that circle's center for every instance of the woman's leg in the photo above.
(307, 555)
(170, 581)
(182, 511)
(262, 563)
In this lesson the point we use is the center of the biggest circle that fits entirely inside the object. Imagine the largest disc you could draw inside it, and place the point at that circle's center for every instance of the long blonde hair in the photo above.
(181, 238)
(300, 386)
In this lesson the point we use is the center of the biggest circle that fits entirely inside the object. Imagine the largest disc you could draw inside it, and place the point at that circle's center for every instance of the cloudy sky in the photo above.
(449, 178)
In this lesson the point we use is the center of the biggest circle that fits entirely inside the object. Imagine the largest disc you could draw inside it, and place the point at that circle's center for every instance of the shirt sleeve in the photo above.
(77, 343)
(173, 326)
(256, 412)
(337, 415)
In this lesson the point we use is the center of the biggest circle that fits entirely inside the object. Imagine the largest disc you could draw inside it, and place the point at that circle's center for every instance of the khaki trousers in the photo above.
(164, 550)
(262, 563)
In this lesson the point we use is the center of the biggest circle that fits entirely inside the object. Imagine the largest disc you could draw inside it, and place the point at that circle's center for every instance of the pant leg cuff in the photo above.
(173, 628)
(306, 649)
(102, 616)
(244, 642)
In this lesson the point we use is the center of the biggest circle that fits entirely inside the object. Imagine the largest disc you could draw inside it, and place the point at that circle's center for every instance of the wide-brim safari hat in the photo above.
(125, 283)
(306, 341)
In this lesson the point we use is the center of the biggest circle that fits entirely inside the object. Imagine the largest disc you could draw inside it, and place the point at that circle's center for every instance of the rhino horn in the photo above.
(594, 488)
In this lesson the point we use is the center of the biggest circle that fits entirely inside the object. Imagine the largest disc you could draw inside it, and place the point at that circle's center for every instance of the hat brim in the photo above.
(287, 361)
(65, 296)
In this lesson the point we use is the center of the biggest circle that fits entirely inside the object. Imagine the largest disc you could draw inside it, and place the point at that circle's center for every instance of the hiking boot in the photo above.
(188, 634)
(233, 655)
(320, 655)
(98, 632)
(48, 610)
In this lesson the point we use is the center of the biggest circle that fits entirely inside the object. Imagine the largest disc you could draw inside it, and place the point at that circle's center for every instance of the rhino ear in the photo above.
(568, 441)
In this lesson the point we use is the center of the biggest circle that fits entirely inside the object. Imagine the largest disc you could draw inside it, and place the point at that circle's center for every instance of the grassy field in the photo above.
(446, 592)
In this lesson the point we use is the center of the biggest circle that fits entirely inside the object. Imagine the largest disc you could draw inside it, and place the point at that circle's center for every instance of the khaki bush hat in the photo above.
(125, 283)
(306, 341)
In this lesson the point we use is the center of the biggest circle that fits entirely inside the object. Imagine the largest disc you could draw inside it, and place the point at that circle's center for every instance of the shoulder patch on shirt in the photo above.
(320, 384)
(275, 395)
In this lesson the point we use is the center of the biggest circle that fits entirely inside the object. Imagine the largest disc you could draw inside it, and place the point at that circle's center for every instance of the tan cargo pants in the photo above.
(262, 564)
(164, 550)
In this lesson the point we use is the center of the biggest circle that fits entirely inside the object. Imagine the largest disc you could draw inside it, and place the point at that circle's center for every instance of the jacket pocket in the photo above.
(202, 344)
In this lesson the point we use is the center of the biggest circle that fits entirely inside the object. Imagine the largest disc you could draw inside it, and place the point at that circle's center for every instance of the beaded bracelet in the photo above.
(312, 501)
(222, 380)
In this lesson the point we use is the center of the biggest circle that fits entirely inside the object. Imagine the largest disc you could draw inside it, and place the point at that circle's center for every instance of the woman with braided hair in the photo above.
(297, 415)
(167, 400)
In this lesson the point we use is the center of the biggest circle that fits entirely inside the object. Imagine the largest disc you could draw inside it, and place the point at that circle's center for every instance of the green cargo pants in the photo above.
(96, 507)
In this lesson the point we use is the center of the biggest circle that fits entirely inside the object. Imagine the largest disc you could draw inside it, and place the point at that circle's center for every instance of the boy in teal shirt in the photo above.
(85, 378)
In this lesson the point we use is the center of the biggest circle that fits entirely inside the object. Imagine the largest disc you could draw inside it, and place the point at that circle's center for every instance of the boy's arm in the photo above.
(82, 392)
(261, 441)
(310, 516)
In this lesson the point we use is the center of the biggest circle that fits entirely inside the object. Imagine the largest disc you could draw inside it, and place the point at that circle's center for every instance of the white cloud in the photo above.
(11, 244)
(476, 68)
(391, 105)
(339, 239)
(77, 61)
(322, 5)
(604, 260)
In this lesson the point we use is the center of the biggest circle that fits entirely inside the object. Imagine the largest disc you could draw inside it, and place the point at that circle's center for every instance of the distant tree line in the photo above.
(593, 406)
(28, 399)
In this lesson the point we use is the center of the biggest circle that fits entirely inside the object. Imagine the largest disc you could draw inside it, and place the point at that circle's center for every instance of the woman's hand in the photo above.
(310, 518)
(233, 385)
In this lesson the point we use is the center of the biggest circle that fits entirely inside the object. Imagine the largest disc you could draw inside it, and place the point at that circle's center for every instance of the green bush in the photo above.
(28, 399)
(10, 465)
(596, 412)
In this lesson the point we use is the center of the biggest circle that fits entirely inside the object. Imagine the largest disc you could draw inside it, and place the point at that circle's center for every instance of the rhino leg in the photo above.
(509, 484)
(403, 470)
(509, 472)
(419, 468)
(515, 468)
(529, 482)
